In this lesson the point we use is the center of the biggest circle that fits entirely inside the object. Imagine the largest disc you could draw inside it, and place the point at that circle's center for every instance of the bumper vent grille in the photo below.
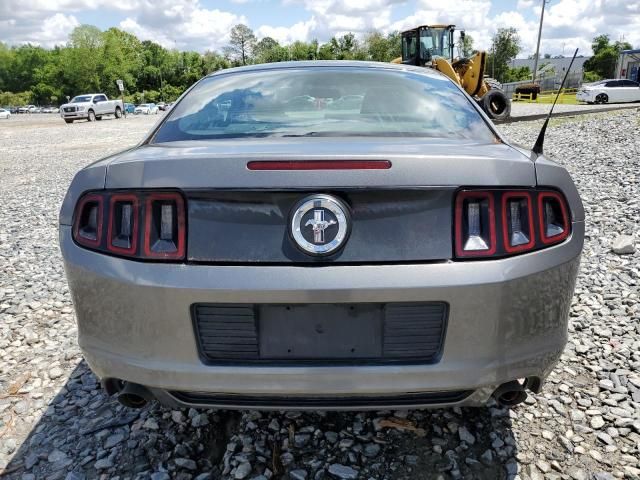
(413, 330)
(227, 331)
(347, 334)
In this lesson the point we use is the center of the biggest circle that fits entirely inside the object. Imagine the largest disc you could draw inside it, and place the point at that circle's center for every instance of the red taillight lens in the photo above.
(87, 226)
(553, 216)
(164, 231)
(163, 216)
(476, 222)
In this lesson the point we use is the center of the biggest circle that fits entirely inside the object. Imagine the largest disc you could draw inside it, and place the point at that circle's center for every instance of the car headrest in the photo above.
(385, 100)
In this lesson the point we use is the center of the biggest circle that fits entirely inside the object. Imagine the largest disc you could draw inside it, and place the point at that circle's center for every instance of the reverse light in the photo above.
(116, 229)
(164, 232)
(554, 221)
(528, 220)
(475, 224)
(122, 234)
(517, 221)
(87, 227)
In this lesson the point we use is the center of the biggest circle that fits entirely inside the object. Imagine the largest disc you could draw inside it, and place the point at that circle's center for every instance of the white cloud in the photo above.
(188, 24)
(47, 32)
(286, 35)
(525, 4)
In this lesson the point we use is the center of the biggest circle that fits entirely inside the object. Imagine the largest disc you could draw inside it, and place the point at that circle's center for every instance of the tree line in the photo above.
(92, 61)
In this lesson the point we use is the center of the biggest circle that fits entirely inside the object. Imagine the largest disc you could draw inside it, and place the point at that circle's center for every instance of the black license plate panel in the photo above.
(320, 331)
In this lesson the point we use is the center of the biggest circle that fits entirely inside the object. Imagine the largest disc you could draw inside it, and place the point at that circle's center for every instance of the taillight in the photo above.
(528, 219)
(87, 227)
(554, 220)
(122, 234)
(517, 222)
(475, 224)
(164, 231)
(161, 213)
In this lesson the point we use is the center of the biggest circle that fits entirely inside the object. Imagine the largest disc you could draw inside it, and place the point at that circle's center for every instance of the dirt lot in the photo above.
(56, 422)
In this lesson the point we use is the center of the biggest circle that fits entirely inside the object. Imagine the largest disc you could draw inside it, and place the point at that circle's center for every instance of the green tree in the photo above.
(465, 46)
(505, 46)
(81, 67)
(382, 48)
(303, 51)
(325, 52)
(518, 74)
(241, 44)
(605, 56)
(121, 59)
(346, 47)
(213, 62)
(262, 47)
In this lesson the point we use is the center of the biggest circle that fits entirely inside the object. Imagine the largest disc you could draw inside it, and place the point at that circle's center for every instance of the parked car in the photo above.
(610, 91)
(47, 110)
(13, 110)
(147, 109)
(27, 109)
(129, 107)
(92, 106)
(403, 255)
(162, 106)
(55, 110)
(4, 113)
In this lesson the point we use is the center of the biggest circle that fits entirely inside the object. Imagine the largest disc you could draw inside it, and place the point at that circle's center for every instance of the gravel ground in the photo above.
(56, 423)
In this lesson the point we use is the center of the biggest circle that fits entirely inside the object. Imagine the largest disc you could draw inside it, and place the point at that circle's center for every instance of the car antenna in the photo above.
(537, 147)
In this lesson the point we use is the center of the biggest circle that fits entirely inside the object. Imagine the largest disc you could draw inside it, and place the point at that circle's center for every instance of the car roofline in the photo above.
(362, 64)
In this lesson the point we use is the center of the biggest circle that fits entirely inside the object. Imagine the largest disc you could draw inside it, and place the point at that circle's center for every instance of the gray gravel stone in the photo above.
(63, 420)
(343, 471)
(624, 244)
(298, 474)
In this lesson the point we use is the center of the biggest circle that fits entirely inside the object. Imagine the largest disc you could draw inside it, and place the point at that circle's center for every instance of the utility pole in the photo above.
(535, 61)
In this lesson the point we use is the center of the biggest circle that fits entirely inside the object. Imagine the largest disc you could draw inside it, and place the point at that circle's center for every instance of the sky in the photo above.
(205, 24)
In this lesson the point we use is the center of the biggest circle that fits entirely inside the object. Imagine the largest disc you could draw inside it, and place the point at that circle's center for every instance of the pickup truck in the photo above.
(92, 106)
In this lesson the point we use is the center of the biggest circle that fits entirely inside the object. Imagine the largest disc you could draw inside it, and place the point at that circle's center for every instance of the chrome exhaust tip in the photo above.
(133, 395)
(510, 394)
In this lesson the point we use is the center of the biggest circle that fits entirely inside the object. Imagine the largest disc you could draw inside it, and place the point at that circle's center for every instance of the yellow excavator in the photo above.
(432, 46)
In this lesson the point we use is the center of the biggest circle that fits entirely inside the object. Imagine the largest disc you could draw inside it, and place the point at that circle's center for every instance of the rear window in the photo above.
(320, 101)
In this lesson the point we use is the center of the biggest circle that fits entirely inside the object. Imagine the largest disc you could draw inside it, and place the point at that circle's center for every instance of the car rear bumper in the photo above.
(507, 320)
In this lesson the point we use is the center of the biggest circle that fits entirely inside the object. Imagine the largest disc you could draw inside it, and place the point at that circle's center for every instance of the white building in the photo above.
(628, 65)
(560, 65)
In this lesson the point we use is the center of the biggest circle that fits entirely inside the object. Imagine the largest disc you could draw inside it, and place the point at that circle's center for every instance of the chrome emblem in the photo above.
(320, 224)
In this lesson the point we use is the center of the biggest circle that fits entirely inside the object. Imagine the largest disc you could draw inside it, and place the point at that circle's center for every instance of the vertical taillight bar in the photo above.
(87, 225)
(553, 217)
(122, 233)
(165, 226)
(518, 231)
(475, 224)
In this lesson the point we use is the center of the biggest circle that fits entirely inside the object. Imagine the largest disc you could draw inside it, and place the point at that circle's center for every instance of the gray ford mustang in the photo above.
(322, 235)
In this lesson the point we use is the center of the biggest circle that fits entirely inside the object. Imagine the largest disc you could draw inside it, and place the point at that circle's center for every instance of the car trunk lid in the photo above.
(398, 214)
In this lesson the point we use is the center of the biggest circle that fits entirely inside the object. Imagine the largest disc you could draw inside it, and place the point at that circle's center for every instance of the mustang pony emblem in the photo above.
(319, 225)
